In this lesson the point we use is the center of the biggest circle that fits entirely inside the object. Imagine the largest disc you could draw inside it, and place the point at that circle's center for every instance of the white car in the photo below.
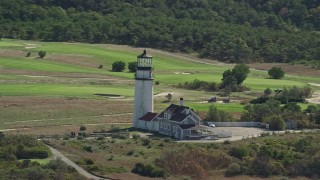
(212, 125)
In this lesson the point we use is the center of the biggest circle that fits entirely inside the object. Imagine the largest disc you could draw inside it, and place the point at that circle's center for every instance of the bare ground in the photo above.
(56, 113)
(299, 70)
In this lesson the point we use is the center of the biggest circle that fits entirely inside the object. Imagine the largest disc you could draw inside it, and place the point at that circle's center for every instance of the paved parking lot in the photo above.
(238, 133)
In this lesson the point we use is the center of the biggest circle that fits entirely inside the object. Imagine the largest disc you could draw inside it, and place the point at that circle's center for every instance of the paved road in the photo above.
(57, 154)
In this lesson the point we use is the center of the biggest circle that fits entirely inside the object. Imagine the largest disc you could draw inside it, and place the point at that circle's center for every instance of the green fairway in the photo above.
(78, 59)
(168, 69)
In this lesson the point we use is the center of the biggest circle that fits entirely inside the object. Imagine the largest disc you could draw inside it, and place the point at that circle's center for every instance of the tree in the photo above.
(275, 122)
(42, 54)
(118, 66)
(132, 66)
(216, 115)
(240, 72)
(236, 76)
(276, 73)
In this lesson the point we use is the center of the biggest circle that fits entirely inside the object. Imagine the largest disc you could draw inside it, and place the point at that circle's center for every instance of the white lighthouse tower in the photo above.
(143, 92)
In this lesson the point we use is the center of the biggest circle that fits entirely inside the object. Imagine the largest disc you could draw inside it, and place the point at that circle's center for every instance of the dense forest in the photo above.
(227, 30)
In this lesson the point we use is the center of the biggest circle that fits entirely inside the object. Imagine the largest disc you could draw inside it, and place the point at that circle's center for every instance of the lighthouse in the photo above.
(143, 91)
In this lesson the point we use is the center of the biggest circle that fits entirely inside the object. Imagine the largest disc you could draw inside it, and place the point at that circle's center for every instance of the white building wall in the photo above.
(143, 99)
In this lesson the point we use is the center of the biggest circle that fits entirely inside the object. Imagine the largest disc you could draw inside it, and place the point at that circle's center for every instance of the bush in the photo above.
(233, 169)
(276, 73)
(169, 97)
(118, 66)
(110, 158)
(145, 141)
(28, 54)
(89, 161)
(157, 82)
(132, 66)
(239, 152)
(130, 153)
(147, 170)
(83, 128)
(88, 148)
(42, 54)
(135, 136)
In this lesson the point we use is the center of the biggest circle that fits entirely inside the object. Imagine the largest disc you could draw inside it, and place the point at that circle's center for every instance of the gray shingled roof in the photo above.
(176, 112)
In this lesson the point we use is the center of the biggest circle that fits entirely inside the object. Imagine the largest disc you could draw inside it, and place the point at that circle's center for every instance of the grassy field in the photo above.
(62, 88)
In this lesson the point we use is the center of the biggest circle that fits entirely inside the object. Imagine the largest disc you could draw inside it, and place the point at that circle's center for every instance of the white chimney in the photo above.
(181, 102)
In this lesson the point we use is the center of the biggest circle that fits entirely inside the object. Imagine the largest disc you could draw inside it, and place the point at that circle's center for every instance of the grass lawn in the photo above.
(40, 161)
(168, 69)
(58, 76)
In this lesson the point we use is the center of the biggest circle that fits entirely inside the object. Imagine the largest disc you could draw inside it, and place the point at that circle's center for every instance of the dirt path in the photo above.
(316, 96)
(56, 154)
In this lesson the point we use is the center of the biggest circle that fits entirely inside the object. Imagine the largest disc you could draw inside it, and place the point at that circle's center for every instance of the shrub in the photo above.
(267, 92)
(157, 82)
(130, 153)
(89, 161)
(100, 138)
(135, 136)
(88, 148)
(83, 134)
(169, 97)
(118, 66)
(83, 128)
(28, 54)
(42, 54)
(110, 158)
(233, 169)
(239, 152)
(147, 170)
(132, 66)
(145, 141)
(276, 73)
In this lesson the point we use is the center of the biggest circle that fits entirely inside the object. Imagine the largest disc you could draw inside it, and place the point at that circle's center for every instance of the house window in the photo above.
(165, 126)
(161, 125)
(168, 126)
(165, 115)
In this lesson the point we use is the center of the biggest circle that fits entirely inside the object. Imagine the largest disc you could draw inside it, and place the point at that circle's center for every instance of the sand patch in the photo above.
(164, 94)
(314, 84)
(183, 73)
